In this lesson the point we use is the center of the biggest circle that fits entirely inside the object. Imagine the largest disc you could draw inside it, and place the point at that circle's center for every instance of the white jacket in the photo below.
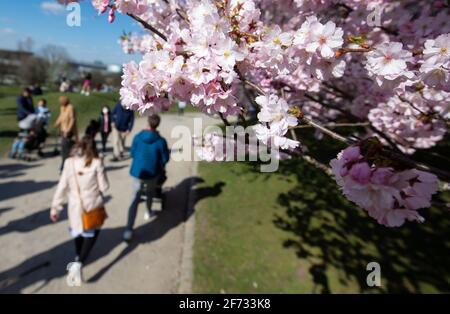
(92, 181)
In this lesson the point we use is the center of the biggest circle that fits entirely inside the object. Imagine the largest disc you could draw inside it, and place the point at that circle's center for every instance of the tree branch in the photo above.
(444, 175)
(224, 120)
(335, 125)
(148, 26)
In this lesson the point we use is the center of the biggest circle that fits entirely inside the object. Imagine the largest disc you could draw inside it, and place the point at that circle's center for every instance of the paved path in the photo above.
(34, 251)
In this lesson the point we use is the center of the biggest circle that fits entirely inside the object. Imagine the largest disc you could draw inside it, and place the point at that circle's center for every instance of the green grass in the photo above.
(293, 232)
(87, 108)
(237, 248)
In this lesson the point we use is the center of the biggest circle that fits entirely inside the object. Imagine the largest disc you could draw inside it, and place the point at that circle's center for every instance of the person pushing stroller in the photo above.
(150, 154)
(31, 136)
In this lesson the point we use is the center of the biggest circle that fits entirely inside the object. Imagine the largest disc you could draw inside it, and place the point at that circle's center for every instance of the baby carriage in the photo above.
(31, 137)
(159, 195)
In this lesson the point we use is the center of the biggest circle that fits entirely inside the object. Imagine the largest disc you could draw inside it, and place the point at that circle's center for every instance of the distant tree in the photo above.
(26, 44)
(114, 79)
(57, 58)
(3, 69)
(34, 71)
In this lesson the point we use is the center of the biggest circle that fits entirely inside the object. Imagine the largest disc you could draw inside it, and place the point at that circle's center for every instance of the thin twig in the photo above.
(224, 120)
(147, 26)
(317, 164)
(255, 87)
(390, 154)
(335, 125)
(444, 175)
(386, 138)
(327, 131)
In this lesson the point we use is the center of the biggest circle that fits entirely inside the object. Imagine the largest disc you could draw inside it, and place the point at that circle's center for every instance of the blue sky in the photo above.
(45, 22)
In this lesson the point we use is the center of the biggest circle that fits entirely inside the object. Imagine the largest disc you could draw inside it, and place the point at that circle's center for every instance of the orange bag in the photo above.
(94, 218)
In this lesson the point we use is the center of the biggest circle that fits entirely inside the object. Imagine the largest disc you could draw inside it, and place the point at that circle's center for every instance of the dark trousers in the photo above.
(104, 137)
(141, 187)
(66, 148)
(84, 245)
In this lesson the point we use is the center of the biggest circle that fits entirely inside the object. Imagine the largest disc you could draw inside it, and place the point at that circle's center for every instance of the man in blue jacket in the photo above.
(150, 155)
(24, 105)
(122, 124)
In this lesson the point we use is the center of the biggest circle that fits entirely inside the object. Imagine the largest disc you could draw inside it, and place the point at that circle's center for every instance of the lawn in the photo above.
(87, 108)
(293, 232)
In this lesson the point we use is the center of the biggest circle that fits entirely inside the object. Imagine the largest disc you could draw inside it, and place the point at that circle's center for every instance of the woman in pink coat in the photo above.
(83, 191)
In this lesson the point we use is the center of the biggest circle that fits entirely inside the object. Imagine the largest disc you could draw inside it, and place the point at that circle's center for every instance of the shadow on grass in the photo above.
(335, 236)
(9, 111)
(329, 231)
(8, 133)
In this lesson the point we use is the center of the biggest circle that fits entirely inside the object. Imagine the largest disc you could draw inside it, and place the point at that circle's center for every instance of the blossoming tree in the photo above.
(380, 64)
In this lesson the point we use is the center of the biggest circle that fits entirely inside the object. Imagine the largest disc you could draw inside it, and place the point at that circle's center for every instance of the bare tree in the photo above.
(57, 58)
(25, 45)
(3, 69)
(34, 71)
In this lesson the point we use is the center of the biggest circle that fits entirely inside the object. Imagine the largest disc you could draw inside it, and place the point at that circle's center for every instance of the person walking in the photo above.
(67, 125)
(122, 124)
(83, 181)
(24, 105)
(86, 88)
(105, 126)
(181, 107)
(150, 155)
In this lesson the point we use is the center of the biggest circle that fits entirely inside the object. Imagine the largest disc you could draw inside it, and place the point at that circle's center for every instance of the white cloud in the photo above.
(52, 7)
(6, 30)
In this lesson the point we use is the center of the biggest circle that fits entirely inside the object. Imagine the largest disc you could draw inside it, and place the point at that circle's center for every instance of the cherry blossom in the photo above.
(405, 123)
(324, 38)
(389, 196)
(276, 121)
(324, 60)
(388, 63)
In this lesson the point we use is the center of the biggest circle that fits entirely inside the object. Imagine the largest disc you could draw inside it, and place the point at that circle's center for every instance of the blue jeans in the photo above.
(141, 187)
(18, 147)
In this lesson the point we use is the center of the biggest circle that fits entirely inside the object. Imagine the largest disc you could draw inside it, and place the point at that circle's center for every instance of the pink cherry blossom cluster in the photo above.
(195, 64)
(326, 57)
(133, 43)
(408, 122)
(387, 64)
(136, 7)
(213, 148)
(436, 63)
(389, 196)
(276, 119)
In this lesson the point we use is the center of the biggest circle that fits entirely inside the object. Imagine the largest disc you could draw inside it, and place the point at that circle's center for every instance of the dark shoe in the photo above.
(115, 159)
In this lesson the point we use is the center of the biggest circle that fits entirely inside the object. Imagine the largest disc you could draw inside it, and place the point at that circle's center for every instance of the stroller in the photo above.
(31, 137)
(159, 195)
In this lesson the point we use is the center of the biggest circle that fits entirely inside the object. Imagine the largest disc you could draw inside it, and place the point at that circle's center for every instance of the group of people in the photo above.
(65, 86)
(83, 178)
(33, 124)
